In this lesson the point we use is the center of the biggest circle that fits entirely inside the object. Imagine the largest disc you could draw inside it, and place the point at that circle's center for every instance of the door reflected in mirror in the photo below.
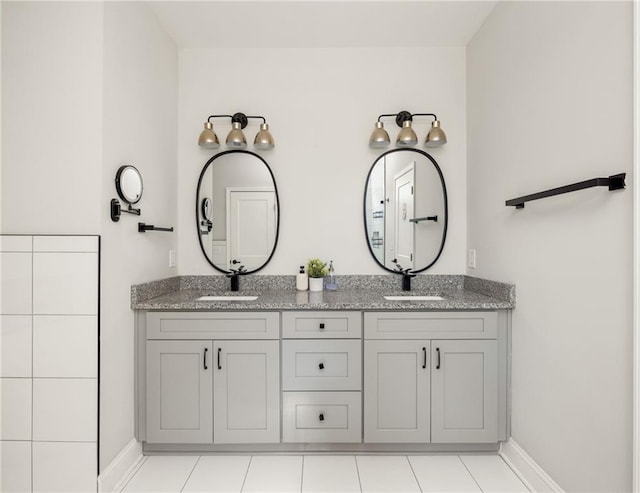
(237, 191)
(405, 210)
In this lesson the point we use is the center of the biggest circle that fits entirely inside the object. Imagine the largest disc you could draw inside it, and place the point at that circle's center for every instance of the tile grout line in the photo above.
(355, 458)
(246, 473)
(142, 462)
(414, 473)
(515, 473)
(470, 474)
(190, 473)
(32, 386)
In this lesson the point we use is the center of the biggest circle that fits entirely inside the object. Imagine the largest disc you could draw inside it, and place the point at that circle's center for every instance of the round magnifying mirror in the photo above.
(244, 211)
(129, 184)
(405, 210)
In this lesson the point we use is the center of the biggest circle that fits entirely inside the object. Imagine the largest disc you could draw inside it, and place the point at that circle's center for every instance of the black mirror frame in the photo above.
(275, 187)
(446, 207)
(121, 170)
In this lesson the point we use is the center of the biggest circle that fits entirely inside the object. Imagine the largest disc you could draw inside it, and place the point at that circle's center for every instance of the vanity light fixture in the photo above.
(407, 136)
(236, 139)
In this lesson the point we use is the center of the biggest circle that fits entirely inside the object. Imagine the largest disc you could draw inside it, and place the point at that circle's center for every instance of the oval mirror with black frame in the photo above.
(129, 184)
(405, 210)
(243, 211)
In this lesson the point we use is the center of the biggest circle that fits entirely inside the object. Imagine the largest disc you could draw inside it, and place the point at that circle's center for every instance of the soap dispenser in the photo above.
(331, 284)
(302, 280)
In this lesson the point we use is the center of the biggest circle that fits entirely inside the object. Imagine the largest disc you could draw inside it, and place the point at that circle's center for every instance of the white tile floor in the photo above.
(324, 474)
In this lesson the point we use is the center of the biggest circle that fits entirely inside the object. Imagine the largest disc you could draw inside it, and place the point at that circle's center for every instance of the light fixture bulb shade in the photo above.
(436, 136)
(406, 137)
(236, 138)
(264, 139)
(208, 138)
(379, 137)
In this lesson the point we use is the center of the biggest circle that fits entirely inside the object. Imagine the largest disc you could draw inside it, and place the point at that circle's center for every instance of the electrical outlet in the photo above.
(471, 258)
(172, 258)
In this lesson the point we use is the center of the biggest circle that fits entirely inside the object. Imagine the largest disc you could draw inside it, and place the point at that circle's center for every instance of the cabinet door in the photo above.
(464, 399)
(396, 391)
(179, 392)
(246, 392)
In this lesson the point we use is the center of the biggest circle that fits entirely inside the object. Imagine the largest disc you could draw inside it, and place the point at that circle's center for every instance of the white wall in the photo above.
(52, 115)
(86, 88)
(550, 103)
(321, 105)
(140, 128)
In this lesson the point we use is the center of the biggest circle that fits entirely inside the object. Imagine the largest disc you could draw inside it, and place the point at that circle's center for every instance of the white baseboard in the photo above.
(121, 469)
(531, 474)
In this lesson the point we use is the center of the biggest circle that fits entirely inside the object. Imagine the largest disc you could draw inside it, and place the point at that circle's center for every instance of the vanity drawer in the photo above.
(321, 417)
(334, 325)
(321, 365)
(431, 325)
(213, 325)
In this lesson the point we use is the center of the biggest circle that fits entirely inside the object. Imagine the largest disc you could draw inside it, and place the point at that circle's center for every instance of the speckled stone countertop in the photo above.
(353, 293)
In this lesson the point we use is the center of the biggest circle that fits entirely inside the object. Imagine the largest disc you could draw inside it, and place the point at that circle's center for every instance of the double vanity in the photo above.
(364, 368)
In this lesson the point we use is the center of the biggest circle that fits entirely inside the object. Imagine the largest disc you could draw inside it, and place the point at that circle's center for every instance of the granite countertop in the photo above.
(362, 293)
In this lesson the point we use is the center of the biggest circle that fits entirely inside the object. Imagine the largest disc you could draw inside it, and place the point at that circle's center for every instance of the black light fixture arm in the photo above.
(218, 116)
(239, 117)
(404, 116)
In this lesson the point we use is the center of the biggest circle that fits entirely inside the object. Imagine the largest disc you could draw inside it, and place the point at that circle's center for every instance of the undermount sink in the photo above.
(227, 298)
(414, 298)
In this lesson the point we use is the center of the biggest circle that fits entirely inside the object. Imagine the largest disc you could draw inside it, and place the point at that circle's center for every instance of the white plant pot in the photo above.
(316, 283)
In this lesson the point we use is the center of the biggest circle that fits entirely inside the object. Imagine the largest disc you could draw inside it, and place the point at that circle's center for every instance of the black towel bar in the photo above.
(142, 227)
(614, 182)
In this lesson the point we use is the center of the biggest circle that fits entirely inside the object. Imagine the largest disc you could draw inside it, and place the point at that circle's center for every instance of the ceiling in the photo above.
(321, 24)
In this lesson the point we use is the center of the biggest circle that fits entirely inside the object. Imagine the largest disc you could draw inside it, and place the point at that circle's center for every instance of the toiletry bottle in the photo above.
(331, 285)
(302, 280)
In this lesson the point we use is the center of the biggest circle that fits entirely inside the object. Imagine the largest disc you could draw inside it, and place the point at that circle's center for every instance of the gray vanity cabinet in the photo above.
(246, 392)
(212, 378)
(179, 392)
(396, 391)
(432, 377)
(322, 380)
(322, 377)
(464, 391)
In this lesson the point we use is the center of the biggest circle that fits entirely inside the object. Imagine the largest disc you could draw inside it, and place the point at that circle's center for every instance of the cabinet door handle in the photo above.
(438, 361)
(424, 360)
(219, 365)
(204, 362)
(322, 325)
(321, 366)
(321, 417)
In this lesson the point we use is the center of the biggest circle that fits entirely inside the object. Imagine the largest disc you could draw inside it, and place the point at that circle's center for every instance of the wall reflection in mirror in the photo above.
(405, 210)
(237, 211)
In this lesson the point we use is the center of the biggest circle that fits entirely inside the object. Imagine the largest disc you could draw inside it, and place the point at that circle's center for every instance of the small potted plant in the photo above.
(316, 270)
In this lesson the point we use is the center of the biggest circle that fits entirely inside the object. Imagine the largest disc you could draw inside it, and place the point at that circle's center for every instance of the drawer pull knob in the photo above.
(322, 325)
(321, 366)
(321, 417)
(438, 363)
(424, 361)
(205, 358)
(219, 365)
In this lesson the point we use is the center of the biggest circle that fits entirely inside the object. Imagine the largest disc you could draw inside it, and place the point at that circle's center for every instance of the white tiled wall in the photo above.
(48, 371)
